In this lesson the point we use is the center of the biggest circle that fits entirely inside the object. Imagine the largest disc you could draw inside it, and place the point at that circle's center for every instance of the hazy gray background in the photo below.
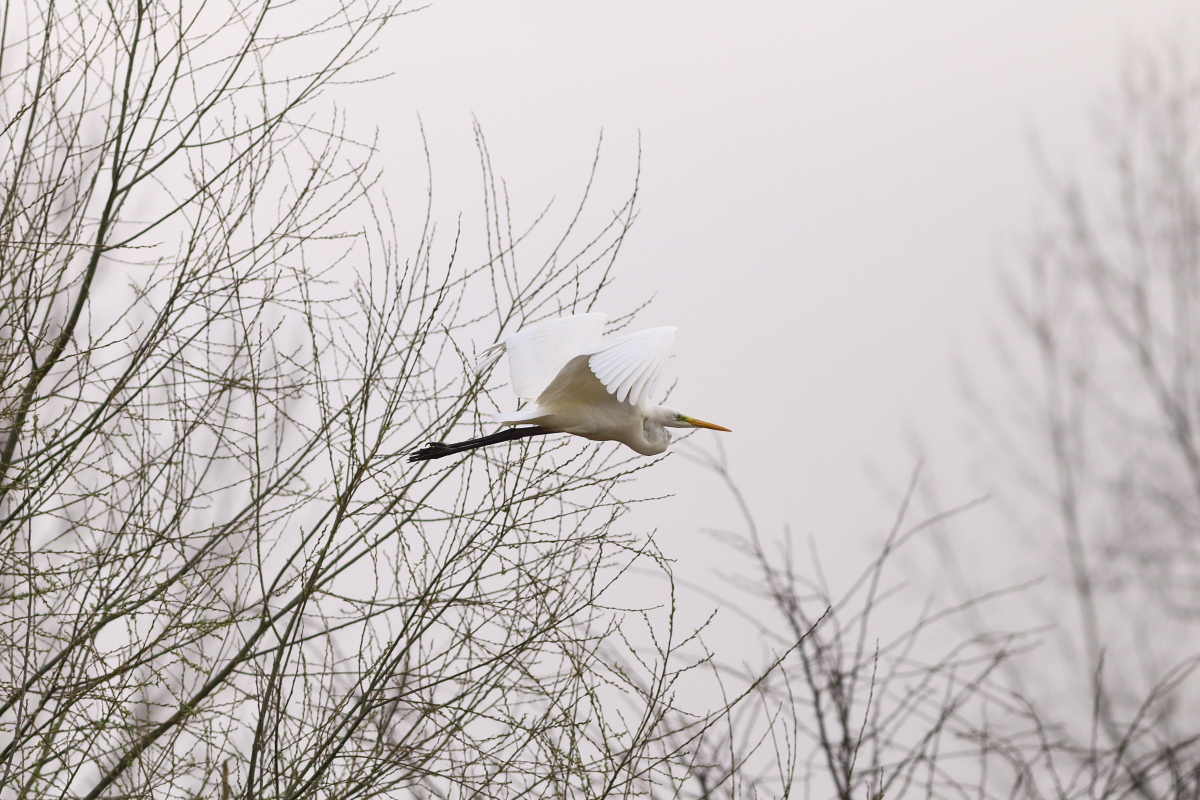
(827, 191)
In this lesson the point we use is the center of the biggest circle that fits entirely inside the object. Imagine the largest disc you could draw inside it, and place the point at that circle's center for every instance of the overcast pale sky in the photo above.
(827, 190)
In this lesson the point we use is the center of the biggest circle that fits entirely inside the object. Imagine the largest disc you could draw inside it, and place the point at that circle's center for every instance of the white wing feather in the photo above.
(629, 367)
(537, 353)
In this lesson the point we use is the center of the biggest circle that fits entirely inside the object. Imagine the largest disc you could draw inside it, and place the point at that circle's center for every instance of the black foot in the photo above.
(430, 451)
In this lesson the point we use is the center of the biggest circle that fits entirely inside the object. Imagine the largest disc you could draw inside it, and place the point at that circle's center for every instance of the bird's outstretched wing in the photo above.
(537, 353)
(629, 367)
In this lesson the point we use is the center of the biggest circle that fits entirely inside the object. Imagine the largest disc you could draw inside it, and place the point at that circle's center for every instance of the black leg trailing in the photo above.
(440, 449)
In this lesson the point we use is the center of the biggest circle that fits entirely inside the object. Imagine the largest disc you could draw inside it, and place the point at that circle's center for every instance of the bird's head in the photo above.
(670, 418)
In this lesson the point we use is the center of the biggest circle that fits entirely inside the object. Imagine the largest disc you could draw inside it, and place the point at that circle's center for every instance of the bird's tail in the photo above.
(530, 413)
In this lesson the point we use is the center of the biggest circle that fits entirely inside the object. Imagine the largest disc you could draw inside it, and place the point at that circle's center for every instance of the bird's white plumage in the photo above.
(630, 366)
(536, 354)
(602, 391)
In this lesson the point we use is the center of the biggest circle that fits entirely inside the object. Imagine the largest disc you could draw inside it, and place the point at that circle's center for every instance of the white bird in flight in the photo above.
(583, 384)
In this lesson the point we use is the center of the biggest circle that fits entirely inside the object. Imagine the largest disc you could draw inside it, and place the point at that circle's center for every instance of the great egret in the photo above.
(582, 384)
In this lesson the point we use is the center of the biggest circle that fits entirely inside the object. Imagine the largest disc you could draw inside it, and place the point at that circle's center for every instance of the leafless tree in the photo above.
(1076, 675)
(218, 577)
(1098, 419)
(860, 693)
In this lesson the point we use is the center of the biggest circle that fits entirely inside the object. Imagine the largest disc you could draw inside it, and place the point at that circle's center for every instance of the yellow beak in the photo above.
(699, 423)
